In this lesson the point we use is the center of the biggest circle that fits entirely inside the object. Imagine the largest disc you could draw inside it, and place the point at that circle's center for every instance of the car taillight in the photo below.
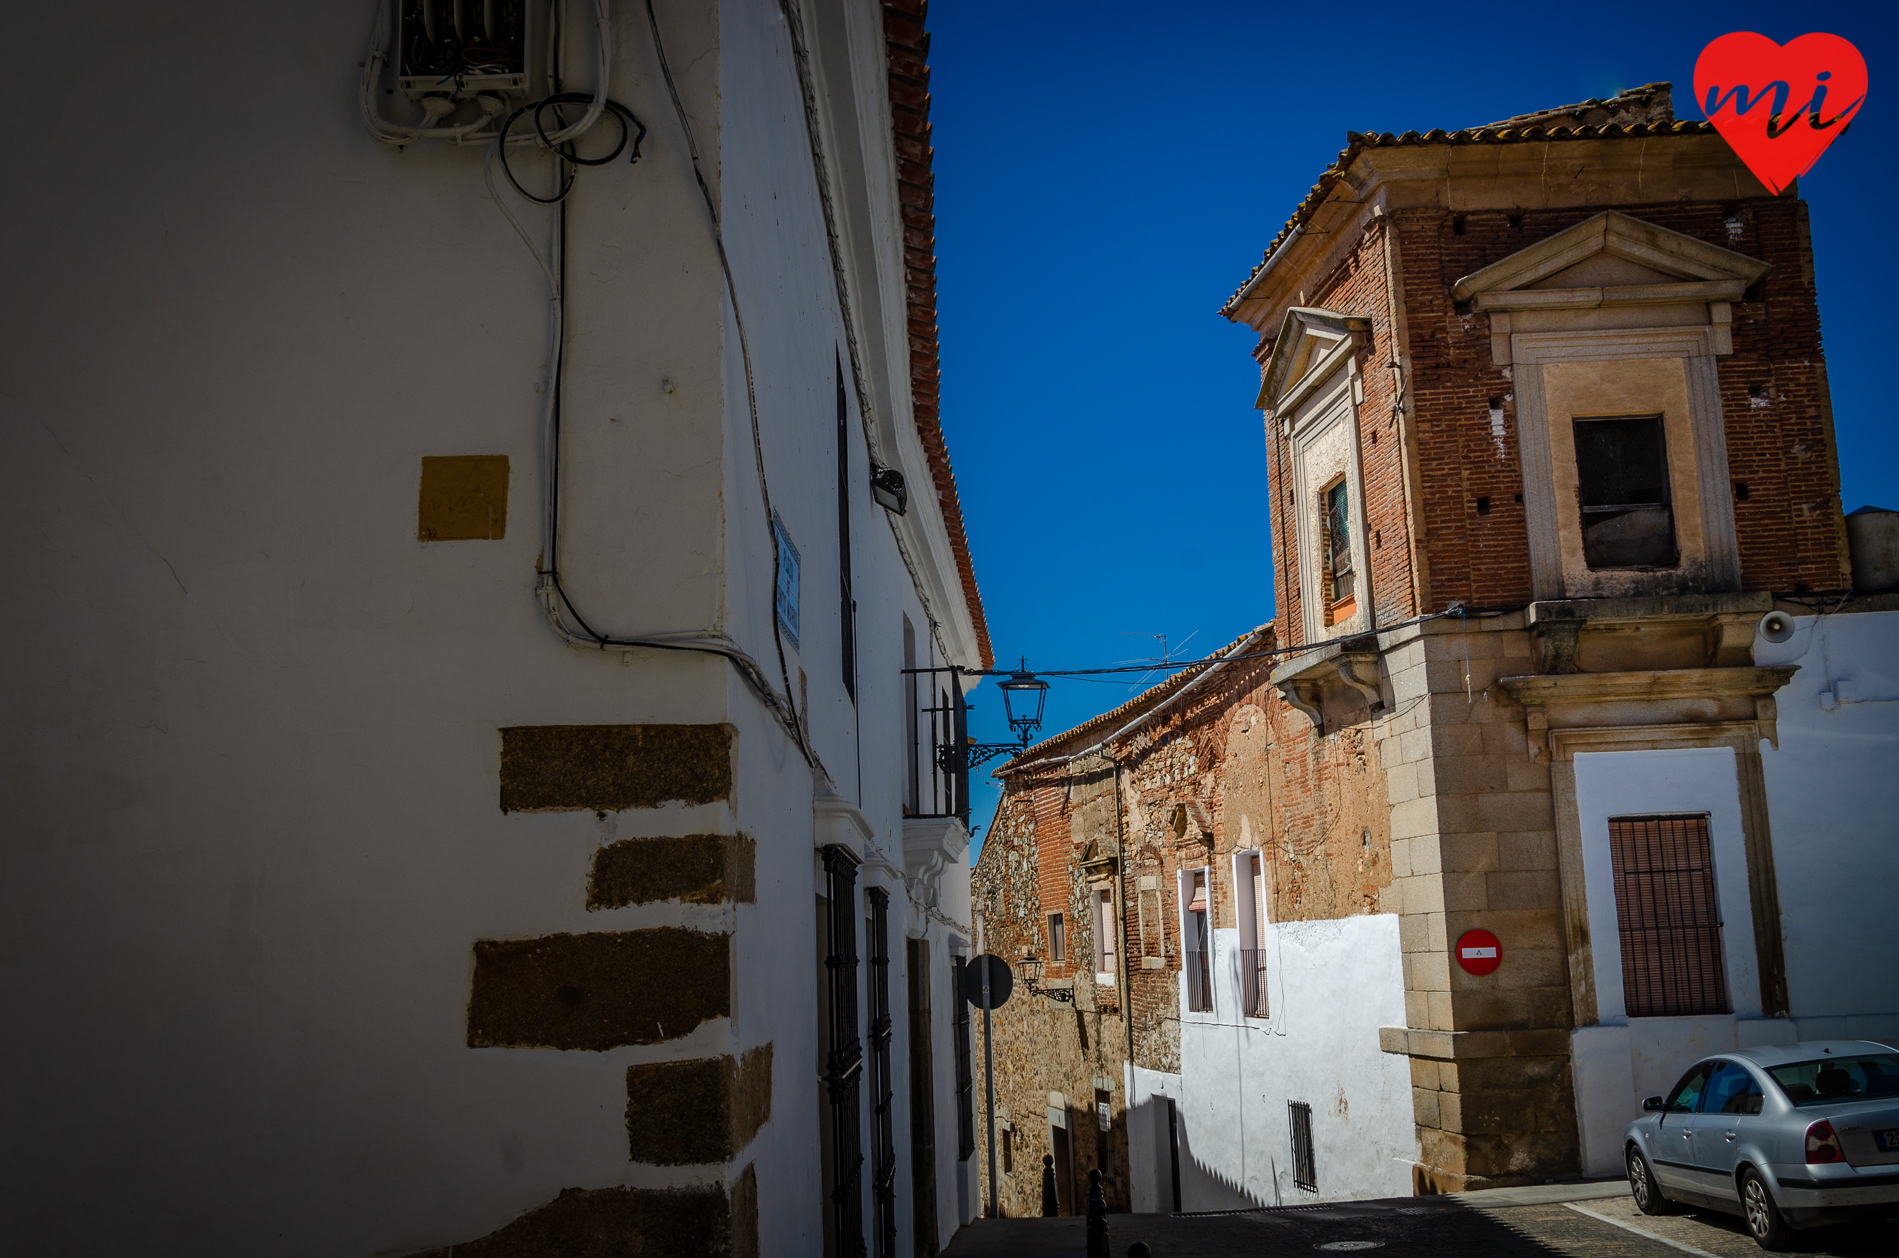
(1822, 1144)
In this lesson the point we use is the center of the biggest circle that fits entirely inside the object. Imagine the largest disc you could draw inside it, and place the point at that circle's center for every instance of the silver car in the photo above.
(1787, 1136)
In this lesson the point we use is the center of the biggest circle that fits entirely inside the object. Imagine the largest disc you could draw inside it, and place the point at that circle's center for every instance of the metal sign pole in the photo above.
(989, 1081)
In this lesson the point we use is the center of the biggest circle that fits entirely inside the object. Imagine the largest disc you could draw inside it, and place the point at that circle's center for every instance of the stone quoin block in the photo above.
(698, 1222)
(598, 990)
(609, 768)
(690, 1113)
(694, 868)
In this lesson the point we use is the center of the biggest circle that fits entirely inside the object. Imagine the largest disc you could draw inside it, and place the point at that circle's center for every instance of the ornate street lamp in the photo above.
(1031, 967)
(1022, 698)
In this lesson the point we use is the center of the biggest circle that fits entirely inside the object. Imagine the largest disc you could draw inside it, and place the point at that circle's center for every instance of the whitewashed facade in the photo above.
(254, 720)
(1833, 811)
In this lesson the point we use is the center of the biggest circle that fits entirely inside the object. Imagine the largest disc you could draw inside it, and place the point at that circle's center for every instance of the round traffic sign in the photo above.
(1479, 952)
(1001, 981)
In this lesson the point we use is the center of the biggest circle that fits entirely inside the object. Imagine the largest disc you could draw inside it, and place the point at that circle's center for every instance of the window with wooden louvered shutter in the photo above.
(1667, 916)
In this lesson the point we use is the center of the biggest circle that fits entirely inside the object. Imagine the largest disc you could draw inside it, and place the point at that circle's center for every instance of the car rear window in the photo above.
(1831, 1080)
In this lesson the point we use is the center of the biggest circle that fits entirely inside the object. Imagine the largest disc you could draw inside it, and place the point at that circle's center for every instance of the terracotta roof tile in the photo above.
(907, 49)
(1520, 130)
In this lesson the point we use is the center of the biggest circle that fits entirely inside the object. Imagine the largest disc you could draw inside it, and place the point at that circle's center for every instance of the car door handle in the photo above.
(1730, 1135)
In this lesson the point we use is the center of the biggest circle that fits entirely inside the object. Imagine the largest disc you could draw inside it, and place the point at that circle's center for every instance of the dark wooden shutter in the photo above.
(883, 1179)
(1667, 916)
(922, 1103)
(965, 1075)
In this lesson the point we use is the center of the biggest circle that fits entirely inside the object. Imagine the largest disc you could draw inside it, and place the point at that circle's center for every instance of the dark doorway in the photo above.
(1064, 1170)
(922, 1102)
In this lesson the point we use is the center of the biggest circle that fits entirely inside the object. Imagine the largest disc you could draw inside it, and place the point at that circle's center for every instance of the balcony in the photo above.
(1196, 962)
(1253, 982)
(936, 724)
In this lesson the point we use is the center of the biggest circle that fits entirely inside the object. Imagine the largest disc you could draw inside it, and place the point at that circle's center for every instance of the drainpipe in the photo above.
(1121, 898)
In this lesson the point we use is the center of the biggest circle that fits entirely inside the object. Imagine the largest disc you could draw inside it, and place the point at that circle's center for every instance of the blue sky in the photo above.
(1106, 175)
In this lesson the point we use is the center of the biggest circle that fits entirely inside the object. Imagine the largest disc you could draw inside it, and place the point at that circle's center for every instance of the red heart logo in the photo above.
(1778, 107)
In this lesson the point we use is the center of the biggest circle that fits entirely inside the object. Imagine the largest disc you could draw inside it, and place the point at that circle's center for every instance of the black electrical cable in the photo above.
(782, 707)
(566, 157)
(621, 115)
(1487, 613)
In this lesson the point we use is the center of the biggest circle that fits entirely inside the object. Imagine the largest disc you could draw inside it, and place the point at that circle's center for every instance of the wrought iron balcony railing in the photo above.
(1253, 982)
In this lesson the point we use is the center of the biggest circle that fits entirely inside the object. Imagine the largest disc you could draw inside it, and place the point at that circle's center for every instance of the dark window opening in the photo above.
(1667, 916)
(1104, 1133)
(1457, 224)
(1336, 527)
(1198, 946)
(1515, 221)
(1741, 491)
(1518, 498)
(1057, 940)
(1622, 488)
(1305, 1171)
(1483, 506)
(847, 603)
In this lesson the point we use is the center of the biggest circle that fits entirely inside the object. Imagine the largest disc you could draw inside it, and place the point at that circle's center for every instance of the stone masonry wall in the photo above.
(1474, 844)
(1229, 768)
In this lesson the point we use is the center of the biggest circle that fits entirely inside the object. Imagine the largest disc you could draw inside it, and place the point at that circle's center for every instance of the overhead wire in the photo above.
(557, 604)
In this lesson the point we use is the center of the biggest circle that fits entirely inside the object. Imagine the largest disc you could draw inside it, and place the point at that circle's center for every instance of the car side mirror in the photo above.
(1650, 1104)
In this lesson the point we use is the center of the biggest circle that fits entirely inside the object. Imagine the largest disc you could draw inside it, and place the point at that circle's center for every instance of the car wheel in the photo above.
(1642, 1185)
(1764, 1222)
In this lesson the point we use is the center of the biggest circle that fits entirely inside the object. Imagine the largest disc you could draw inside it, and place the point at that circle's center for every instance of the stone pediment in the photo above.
(1311, 343)
(1610, 259)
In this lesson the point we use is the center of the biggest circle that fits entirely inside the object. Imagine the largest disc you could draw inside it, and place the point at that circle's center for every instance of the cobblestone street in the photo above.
(1576, 1220)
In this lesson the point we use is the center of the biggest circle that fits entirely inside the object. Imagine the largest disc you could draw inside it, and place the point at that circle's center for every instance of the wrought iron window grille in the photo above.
(844, 1065)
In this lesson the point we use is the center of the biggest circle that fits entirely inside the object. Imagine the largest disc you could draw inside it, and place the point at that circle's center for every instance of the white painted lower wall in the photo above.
(1833, 808)
(1833, 804)
(1331, 985)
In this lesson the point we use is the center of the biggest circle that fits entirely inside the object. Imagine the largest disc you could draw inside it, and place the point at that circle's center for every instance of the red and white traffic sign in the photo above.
(1479, 952)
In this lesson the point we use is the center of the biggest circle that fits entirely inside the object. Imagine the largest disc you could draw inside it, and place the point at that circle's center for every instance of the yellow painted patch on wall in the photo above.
(464, 498)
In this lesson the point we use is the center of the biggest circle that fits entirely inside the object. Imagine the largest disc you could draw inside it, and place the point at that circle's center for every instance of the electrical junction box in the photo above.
(459, 48)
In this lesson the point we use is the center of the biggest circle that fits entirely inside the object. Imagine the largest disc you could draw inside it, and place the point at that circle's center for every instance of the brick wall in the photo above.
(1228, 768)
(1774, 401)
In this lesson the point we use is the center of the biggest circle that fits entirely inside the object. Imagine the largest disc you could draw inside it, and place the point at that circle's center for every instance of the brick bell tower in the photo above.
(1560, 376)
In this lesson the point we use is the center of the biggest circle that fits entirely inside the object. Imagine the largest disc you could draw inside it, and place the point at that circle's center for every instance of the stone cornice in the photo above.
(1672, 696)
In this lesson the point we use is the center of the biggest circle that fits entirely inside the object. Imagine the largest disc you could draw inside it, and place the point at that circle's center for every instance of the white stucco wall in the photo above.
(1331, 985)
(1681, 780)
(250, 754)
(1832, 800)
